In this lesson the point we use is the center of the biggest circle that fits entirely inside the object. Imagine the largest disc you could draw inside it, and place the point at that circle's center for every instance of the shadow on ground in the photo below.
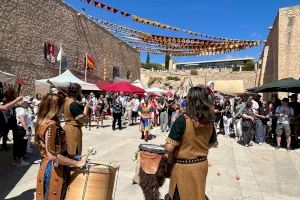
(27, 195)
(10, 174)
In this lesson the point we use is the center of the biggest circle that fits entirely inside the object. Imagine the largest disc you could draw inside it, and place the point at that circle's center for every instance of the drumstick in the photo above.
(59, 89)
(91, 151)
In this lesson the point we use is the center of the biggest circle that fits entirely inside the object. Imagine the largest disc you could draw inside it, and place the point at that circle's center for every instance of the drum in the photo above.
(153, 148)
(153, 167)
(150, 156)
(94, 183)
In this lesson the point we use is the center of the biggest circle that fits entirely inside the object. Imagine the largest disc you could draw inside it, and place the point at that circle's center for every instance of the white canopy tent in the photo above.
(63, 80)
(138, 83)
(155, 90)
(7, 78)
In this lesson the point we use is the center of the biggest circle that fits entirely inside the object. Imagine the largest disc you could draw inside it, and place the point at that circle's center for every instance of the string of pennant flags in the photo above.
(176, 46)
(162, 44)
(165, 39)
(138, 19)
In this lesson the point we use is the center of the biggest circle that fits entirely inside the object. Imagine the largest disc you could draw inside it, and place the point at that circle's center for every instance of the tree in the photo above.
(148, 58)
(249, 66)
(167, 61)
(155, 66)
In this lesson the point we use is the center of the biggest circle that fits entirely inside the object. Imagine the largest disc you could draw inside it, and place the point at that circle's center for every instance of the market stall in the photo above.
(62, 81)
(124, 87)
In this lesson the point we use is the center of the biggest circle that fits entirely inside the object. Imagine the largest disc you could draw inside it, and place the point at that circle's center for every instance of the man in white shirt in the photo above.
(255, 105)
(94, 104)
(135, 108)
(35, 105)
(284, 114)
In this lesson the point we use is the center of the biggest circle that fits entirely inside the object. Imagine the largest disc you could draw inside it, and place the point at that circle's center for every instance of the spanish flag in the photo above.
(90, 63)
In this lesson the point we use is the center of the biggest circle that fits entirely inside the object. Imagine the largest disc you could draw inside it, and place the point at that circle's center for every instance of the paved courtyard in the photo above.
(235, 172)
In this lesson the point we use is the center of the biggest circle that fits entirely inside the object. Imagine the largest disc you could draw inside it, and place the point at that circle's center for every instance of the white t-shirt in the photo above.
(255, 106)
(94, 100)
(35, 104)
(285, 110)
(136, 105)
(21, 111)
(123, 100)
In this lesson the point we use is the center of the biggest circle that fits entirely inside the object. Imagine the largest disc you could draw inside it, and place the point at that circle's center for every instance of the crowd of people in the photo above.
(250, 119)
(131, 109)
(19, 115)
(247, 117)
(192, 120)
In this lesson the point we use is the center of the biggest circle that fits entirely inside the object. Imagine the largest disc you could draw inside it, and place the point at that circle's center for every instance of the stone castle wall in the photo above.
(281, 55)
(205, 75)
(26, 25)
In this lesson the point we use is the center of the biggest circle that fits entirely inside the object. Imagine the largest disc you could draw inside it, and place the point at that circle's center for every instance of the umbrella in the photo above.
(123, 86)
(169, 94)
(283, 85)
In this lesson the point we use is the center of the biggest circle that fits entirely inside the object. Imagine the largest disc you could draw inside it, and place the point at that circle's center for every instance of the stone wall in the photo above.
(289, 43)
(205, 75)
(26, 25)
(281, 55)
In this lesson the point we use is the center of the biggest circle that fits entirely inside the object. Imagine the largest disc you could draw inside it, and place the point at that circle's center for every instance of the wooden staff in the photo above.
(63, 92)
(181, 84)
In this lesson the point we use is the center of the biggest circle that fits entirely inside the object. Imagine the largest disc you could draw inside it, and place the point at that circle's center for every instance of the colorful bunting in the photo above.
(154, 23)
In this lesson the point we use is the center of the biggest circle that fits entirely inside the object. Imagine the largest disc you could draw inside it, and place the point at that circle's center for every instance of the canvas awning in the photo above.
(125, 87)
(63, 80)
(155, 90)
(283, 85)
(138, 83)
(7, 78)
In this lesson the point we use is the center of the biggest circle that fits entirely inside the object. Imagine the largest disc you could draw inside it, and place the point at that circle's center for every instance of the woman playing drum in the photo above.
(189, 142)
(50, 138)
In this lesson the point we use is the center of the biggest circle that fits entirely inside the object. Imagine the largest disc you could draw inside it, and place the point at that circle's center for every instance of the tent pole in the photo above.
(60, 60)
(85, 72)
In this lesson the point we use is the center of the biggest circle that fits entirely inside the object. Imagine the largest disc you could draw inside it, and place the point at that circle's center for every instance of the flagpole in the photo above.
(85, 73)
(60, 61)
(104, 70)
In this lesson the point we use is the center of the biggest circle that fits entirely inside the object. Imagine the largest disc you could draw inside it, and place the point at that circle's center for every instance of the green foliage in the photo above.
(167, 61)
(148, 58)
(155, 66)
(194, 72)
(174, 78)
(153, 80)
(249, 66)
(236, 69)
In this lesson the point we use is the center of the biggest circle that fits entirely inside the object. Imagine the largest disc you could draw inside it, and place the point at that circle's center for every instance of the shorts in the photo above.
(101, 114)
(134, 114)
(281, 127)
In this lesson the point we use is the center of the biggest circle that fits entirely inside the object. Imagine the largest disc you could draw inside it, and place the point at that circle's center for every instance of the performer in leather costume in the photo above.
(74, 114)
(50, 138)
(188, 143)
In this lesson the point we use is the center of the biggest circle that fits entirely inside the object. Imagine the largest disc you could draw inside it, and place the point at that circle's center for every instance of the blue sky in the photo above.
(240, 19)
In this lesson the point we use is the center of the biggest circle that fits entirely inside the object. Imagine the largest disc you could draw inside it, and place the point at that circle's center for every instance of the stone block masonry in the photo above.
(26, 25)
(280, 57)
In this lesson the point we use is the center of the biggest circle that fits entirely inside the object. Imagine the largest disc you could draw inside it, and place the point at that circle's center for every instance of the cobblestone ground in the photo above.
(235, 172)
